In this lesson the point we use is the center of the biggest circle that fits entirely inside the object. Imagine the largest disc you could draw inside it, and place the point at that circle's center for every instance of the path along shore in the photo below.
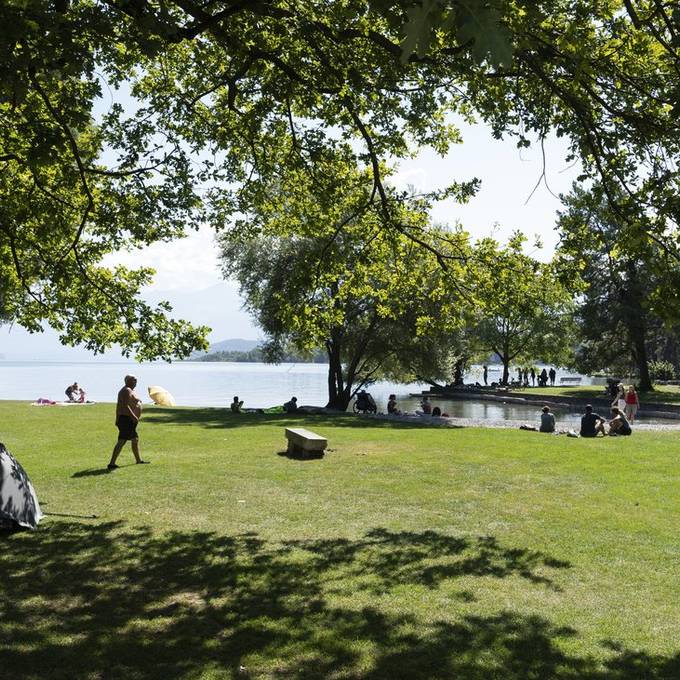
(429, 421)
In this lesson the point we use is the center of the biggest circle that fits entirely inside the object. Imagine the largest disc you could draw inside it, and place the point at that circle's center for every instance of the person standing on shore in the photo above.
(128, 413)
(632, 404)
(486, 375)
(620, 398)
(553, 374)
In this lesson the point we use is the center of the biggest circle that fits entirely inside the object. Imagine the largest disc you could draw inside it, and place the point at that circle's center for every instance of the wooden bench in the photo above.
(305, 443)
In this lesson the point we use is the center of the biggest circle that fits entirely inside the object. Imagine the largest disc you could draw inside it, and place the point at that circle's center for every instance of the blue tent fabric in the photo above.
(18, 501)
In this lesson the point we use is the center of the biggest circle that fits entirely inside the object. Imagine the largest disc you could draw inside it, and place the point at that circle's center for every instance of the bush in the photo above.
(662, 370)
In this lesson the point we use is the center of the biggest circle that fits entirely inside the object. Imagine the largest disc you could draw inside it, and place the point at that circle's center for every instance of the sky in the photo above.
(188, 275)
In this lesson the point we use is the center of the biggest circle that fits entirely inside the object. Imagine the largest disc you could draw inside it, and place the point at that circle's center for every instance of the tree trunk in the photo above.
(637, 326)
(505, 359)
(638, 337)
(459, 370)
(339, 394)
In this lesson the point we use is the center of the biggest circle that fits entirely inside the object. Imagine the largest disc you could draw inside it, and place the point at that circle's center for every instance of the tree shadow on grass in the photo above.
(107, 600)
(223, 418)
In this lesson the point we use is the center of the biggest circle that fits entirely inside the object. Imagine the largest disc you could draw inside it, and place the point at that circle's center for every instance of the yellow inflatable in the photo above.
(161, 396)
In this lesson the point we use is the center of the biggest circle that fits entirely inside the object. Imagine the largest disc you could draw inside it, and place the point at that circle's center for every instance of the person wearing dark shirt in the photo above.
(291, 406)
(236, 405)
(619, 424)
(75, 393)
(547, 420)
(392, 405)
(591, 423)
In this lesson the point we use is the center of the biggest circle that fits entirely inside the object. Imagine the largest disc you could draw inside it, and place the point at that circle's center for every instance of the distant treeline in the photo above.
(256, 355)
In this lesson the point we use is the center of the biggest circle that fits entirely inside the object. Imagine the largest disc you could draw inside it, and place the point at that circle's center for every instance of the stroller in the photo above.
(365, 403)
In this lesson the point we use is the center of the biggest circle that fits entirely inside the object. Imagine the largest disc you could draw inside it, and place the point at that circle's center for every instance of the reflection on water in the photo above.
(494, 410)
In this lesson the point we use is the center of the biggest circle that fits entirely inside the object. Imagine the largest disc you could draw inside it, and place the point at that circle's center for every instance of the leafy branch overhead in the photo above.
(124, 123)
(467, 23)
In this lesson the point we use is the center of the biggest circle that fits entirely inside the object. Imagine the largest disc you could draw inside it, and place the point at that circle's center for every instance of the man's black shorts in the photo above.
(127, 427)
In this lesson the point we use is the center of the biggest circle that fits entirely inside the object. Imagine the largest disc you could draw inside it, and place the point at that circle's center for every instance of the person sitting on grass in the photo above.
(547, 420)
(619, 424)
(591, 423)
(392, 405)
(426, 406)
(236, 405)
(290, 406)
(75, 394)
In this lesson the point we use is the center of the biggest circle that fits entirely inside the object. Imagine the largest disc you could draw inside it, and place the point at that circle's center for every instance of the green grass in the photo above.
(404, 553)
(662, 394)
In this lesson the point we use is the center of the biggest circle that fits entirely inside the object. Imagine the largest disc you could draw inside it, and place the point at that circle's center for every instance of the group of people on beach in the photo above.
(524, 375)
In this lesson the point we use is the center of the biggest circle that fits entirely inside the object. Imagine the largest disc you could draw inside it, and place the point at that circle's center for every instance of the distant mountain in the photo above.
(234, 345)
(231, 345)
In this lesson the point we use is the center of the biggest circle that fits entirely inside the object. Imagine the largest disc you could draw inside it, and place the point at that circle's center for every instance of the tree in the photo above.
(220, 95)
(355, 309)
(603, 74)
(625, 299)
(527, 313)
(62, 209)
(205, 108)
(318, 269)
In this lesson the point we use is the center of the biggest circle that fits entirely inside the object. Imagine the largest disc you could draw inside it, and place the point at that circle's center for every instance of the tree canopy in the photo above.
(525, 312)
(125, 122)
(625, 299)
(316, 272)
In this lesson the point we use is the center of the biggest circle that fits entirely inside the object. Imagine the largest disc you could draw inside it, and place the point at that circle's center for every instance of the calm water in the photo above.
(215, 384)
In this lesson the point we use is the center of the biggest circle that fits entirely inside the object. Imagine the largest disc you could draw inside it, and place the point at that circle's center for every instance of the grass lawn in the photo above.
(404, 553)
(662, 394)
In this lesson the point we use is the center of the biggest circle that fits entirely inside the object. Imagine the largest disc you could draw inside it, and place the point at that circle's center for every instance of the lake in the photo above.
(216, 383)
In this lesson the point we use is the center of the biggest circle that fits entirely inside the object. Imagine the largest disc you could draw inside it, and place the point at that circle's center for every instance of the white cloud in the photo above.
(187, 264)
(416, 177)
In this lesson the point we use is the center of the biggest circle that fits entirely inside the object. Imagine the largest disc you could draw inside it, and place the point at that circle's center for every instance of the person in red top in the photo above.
(128, 413)
(632, 404)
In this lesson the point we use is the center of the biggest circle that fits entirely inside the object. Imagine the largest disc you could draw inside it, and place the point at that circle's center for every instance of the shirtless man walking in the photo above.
(128, 413)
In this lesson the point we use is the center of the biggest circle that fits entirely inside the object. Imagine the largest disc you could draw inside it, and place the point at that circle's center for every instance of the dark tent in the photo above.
(18, 502)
